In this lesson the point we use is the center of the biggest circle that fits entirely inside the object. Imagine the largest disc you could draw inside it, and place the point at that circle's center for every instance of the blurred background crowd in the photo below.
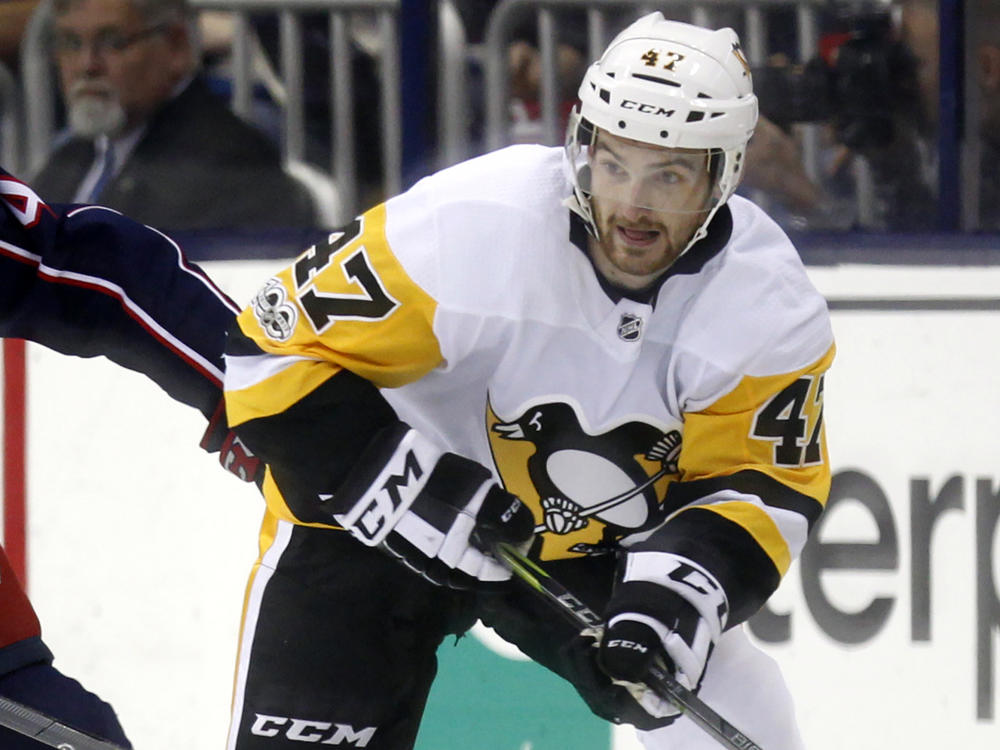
(878, 116)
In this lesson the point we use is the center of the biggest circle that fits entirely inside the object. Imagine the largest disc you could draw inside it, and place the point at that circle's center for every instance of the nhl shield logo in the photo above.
(630, 327)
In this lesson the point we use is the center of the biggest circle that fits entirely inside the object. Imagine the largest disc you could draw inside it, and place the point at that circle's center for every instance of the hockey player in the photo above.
(598, 352)
(86, 281)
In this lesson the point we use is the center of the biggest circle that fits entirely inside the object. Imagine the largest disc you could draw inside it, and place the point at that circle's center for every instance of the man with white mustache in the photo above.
(94, 109)
(147, 136)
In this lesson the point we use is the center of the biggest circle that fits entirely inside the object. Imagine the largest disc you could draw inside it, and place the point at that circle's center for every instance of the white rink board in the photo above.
(139, 544)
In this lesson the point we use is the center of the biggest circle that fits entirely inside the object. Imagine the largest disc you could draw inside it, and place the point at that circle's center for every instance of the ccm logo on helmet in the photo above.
(646, 109)
(303, 730)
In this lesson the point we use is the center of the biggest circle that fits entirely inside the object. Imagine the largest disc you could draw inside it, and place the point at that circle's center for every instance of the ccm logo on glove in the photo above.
(438, 512)
(622, 643)
(508, 514)
(393, 490)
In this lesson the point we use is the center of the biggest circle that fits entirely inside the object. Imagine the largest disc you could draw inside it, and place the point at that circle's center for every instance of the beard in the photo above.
(638, 257)
(93, 109)
(668, 234)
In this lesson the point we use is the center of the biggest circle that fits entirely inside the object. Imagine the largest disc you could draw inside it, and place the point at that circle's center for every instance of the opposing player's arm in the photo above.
(87, 281)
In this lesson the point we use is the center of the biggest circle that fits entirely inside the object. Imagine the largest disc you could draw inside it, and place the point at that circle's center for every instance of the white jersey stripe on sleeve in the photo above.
(246, 371)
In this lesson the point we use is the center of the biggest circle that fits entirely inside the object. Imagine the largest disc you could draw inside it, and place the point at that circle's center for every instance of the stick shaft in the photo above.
(659, 680)
(42, 728)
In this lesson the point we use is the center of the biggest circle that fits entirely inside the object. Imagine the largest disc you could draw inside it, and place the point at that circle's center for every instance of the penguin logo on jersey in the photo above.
(586, 490)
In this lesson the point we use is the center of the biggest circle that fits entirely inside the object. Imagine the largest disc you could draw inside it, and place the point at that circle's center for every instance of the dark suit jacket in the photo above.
(197, 166)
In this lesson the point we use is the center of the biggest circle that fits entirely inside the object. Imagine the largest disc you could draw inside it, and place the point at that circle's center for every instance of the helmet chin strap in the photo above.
(701, 232)
(574, 205)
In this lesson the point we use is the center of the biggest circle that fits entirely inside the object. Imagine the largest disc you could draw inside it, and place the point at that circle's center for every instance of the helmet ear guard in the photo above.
(580, 136)
(584, 131)
(668, 84)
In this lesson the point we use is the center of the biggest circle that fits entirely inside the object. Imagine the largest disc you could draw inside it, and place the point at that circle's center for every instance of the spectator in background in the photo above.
(146, 135)
(775, 168)
(524, 65)
(869, 93)
(918, 29)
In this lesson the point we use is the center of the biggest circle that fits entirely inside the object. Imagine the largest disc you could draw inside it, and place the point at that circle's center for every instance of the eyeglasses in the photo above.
(107, 42)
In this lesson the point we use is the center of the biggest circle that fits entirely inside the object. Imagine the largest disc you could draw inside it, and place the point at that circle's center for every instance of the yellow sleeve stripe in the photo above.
(761, 526)
(276, 394)
(754, 389)
(374, 320)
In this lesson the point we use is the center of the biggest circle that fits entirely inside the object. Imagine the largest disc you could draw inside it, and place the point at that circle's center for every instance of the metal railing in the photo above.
(10, 121)
(39, 89)
(33, 127)
(452, 87)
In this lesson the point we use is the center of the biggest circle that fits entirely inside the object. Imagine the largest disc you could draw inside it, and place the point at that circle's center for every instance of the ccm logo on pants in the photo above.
(303, 730)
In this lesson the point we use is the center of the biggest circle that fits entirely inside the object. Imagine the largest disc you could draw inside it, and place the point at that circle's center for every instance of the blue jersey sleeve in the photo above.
(87, 281)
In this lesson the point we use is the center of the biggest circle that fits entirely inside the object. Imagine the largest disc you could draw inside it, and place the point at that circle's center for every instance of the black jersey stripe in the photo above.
(751, 482)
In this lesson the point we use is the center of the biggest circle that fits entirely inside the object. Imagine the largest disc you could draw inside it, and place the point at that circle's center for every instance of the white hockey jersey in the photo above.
(471, 302)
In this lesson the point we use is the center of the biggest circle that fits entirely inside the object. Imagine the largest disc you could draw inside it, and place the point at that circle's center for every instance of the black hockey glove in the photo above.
(614, 701)
(663, 606)
(438, 512)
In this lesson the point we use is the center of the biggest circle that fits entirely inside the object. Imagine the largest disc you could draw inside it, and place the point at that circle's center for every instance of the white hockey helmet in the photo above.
(670, 84)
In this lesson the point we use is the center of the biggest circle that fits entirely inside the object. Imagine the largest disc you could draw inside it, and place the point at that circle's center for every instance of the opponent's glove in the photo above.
(438, 512)
(664, 606)
(234, 456)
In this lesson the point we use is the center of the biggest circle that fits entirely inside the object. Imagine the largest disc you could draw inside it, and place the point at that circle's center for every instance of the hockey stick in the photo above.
(41, 728)
(611, 502)
(659, 680)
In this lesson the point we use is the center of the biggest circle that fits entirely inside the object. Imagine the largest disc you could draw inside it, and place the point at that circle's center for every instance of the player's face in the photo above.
(114, 67)
(647, 202)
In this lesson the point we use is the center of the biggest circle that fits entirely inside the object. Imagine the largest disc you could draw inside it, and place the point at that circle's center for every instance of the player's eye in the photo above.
(670, 177)
(677, 175)
(611, 167)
